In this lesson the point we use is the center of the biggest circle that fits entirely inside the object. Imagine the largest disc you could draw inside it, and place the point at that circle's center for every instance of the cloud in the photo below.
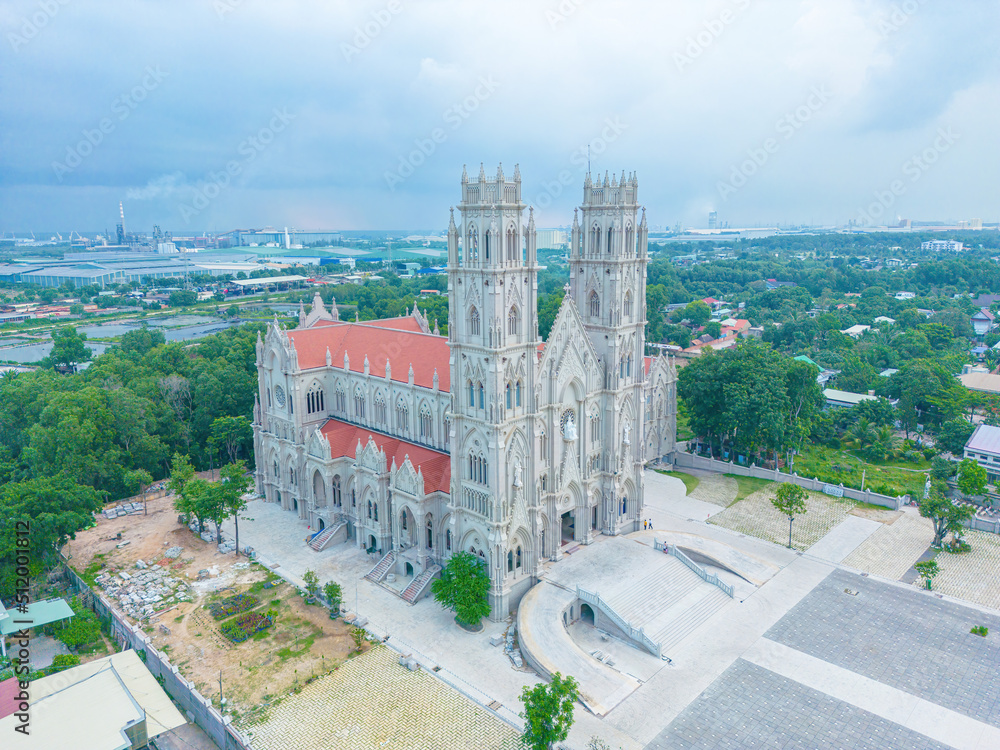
(164, 186)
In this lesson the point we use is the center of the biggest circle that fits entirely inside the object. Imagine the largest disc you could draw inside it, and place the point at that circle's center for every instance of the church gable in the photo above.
(407, 480)
(317, 446)
(568, 349)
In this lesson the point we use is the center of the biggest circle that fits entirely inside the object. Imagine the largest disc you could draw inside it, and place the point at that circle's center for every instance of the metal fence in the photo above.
(198, 708)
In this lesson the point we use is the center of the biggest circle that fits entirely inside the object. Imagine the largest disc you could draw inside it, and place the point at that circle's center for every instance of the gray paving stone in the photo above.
(904, 638)
(751, 707)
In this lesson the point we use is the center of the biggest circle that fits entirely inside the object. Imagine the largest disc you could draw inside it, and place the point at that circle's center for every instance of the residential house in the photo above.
(983, 322)
(845, 399)
(905, 295)
(983, 447)
(855, 331)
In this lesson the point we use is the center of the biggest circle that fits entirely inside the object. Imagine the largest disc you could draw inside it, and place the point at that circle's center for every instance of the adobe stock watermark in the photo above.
(914, 168)
(122, 108)
(698, 44)
(786, 126)
(561, 13)
(366, 32)
(214, 183)
(33, 24)
(454, 117)
(898, 16)
(579, 158)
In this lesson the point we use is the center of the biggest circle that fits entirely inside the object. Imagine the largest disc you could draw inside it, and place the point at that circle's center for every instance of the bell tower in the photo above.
(493, 335)
(608, 256)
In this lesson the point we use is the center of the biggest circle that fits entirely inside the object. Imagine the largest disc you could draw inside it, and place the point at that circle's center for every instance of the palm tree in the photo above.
(861, 433)
(886, 442)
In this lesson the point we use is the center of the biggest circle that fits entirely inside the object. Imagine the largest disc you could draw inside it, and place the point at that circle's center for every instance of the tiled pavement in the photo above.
(974, 575)
(716, 489)
(892, 550)
(754, 515)
(751, 707)
(901, 637)
(373, 702)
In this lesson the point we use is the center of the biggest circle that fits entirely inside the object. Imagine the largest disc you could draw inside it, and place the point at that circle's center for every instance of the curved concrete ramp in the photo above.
(548, 648)
(749, 568)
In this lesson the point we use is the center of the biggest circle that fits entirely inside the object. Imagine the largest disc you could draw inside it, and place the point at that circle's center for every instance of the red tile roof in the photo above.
(8, 691)
(647, 363)
(435, 466)
(401, 348)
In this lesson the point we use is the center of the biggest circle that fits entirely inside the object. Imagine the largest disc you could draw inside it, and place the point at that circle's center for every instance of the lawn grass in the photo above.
(843, 467)
(690, 481)
(747, 486)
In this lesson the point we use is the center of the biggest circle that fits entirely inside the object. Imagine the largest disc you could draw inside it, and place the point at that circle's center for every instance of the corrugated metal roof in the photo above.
(986, 439)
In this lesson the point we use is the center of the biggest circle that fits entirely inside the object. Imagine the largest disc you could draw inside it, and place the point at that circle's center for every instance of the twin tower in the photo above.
(542, 455)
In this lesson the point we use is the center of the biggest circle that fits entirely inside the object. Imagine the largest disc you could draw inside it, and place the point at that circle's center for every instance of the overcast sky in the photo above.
(216, 114)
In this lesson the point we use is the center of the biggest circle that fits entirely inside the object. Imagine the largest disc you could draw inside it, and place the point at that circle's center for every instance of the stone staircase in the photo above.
(669, 604)
(321, 540)
(420, 585)
(379, 572)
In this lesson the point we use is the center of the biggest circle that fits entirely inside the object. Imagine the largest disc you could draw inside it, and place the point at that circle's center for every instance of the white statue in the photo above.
(570, 431)
(628, 431)
(517, 474)
(927, 487)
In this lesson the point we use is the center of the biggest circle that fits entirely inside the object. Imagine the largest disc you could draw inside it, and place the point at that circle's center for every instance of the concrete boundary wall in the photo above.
(184, 693)
(703, 463)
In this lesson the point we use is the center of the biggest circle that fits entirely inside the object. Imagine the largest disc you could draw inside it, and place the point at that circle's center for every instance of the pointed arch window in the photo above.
(517, 394)
(627, 307)
(513, 254)
(315, 402)
(509, 396)
(482, 397)
(337, 498)
(402, 416)
(359, 403)
(513, 321)
(341, 399)
(473, 321)
(517, 558)
(595, 305)
(447, 540)
(595, 239)
(472, 394)
(610, 236)
(510, 562)
(369, 509)
(380, 410)
(629, 240)
(426, 425)
(376, 511)
(473, 244)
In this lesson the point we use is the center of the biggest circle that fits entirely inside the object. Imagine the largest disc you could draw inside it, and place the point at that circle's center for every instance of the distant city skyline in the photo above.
(212, 116)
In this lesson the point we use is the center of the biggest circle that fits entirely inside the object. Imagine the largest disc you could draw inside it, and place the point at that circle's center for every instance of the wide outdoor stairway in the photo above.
(379, 571)
(419, 584)
(320, 540)
(668, 604)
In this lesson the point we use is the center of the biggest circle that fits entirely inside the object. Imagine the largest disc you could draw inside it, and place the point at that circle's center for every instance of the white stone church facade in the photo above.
(415, 445)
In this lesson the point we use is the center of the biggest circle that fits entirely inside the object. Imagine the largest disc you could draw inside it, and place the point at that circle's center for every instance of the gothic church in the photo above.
(414, 445)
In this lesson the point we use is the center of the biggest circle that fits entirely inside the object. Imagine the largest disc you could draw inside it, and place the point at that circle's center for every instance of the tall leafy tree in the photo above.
(790, 500)
(548, 711)
(463, 587)
(68, 349)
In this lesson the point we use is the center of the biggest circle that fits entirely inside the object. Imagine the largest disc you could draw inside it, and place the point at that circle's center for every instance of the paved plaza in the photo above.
(793, 661)
(373, 702)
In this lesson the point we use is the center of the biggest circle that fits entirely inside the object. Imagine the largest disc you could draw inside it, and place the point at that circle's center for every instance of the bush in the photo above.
(64, 661)
(82, 629)
(980, 630)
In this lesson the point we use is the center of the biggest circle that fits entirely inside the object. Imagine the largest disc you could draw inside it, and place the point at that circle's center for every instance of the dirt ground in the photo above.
(303, 642)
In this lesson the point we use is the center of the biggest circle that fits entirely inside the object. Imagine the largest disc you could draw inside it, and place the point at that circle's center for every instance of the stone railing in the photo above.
(636, 634)
(711, 578)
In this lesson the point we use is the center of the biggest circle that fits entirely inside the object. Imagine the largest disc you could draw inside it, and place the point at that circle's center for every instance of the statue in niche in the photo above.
(517, 473)
(628, 431)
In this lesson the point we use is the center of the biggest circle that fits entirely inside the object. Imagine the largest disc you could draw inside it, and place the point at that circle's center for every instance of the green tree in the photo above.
(68, 349)
(790, 500)
(713, 328)
(138, 480)
(971, 477)
(82, 629)
(943, 513)
(311, 580)
(942, 469)
(334, 595)
(548, 711)
(954, 434)
(463, 587)
(182, 298)
(697, 313)
(232, 490)
(230, 434)
(927, 570)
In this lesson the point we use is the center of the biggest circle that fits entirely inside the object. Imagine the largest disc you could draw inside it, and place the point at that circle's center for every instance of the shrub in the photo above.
(980, 630)
(64, 661)
(82, 629)
(232, 605)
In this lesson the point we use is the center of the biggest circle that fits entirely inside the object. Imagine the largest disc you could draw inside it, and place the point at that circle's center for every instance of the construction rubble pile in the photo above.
(125, 509)
(146, 590)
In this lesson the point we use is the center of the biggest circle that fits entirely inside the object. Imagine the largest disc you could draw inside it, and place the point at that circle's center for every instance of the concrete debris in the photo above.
(145, 591)
(140, 564)
(496, 640)
(123, 544)
(203, 574)
(173, 553)
(125, 509)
